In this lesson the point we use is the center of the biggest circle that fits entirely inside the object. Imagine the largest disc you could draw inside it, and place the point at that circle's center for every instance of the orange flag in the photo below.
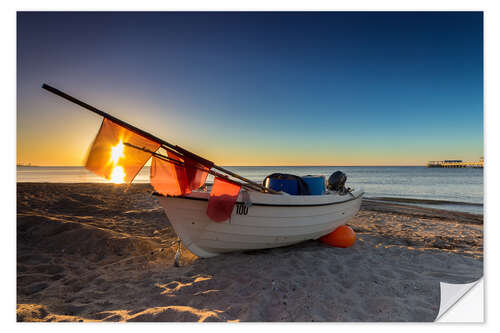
(111, 159)
(170, 179)
(222, 199)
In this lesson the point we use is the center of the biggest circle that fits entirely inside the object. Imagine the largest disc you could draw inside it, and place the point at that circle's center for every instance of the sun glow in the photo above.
(117, 152)
(118, 175)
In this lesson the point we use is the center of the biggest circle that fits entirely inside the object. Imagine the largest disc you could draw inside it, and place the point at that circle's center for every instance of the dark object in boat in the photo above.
(315, 183)
(336, 182)
(287, 183)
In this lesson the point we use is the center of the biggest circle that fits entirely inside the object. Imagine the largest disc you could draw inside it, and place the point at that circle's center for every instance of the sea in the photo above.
(459, 189)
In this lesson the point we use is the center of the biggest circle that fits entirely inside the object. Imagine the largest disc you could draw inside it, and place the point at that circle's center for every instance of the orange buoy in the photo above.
(343, 236)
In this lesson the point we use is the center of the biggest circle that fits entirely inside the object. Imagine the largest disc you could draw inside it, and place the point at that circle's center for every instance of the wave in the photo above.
(426, 201)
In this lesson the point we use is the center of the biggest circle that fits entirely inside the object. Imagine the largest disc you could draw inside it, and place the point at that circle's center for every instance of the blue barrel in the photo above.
(316, 184)
(289, 186)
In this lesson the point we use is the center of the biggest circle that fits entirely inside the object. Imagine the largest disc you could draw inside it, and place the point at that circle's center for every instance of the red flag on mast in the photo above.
(111, 159)
(169, 178)
(222, 199)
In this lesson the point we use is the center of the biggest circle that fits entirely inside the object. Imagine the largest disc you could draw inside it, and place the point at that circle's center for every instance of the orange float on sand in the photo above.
(343, 236)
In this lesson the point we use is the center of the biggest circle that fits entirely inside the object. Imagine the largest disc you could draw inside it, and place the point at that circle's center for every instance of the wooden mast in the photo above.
(179, 163)
(209, 164)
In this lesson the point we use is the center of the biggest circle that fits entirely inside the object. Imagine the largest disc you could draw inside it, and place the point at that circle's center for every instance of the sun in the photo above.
(117, 152)
(118, 175)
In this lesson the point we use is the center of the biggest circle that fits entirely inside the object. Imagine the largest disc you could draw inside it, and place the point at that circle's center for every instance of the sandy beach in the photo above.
(103, 252)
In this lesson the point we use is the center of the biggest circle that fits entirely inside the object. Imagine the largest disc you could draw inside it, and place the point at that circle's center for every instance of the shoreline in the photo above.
(104, 252)
(401, 201)
(419, 211)
(423, 201)
(445, 205)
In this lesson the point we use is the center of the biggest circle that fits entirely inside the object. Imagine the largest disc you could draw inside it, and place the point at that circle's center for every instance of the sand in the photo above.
(102, 252)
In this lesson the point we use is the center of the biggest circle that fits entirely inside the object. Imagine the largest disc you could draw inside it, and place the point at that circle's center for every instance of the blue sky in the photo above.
(329, 88)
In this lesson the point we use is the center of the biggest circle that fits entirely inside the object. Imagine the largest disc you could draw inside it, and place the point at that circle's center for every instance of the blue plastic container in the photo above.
(289, 186)
(316, 184)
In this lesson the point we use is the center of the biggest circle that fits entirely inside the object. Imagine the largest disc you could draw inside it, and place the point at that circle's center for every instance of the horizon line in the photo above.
(269, 166)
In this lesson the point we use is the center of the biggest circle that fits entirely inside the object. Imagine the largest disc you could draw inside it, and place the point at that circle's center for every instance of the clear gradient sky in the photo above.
(257, 88)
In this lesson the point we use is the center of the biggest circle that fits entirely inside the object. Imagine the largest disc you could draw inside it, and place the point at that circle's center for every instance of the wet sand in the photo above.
(102, 252)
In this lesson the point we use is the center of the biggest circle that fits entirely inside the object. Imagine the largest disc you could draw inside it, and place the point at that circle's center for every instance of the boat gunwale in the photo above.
(264, 204)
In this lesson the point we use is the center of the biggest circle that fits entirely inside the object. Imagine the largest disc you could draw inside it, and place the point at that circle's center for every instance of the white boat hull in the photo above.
(271, 220)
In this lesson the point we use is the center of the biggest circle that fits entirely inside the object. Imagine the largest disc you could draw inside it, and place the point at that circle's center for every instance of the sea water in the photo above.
(458, 189)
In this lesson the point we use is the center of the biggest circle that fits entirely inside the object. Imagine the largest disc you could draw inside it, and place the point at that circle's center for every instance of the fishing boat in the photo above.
(236, 213)
(272, 220)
